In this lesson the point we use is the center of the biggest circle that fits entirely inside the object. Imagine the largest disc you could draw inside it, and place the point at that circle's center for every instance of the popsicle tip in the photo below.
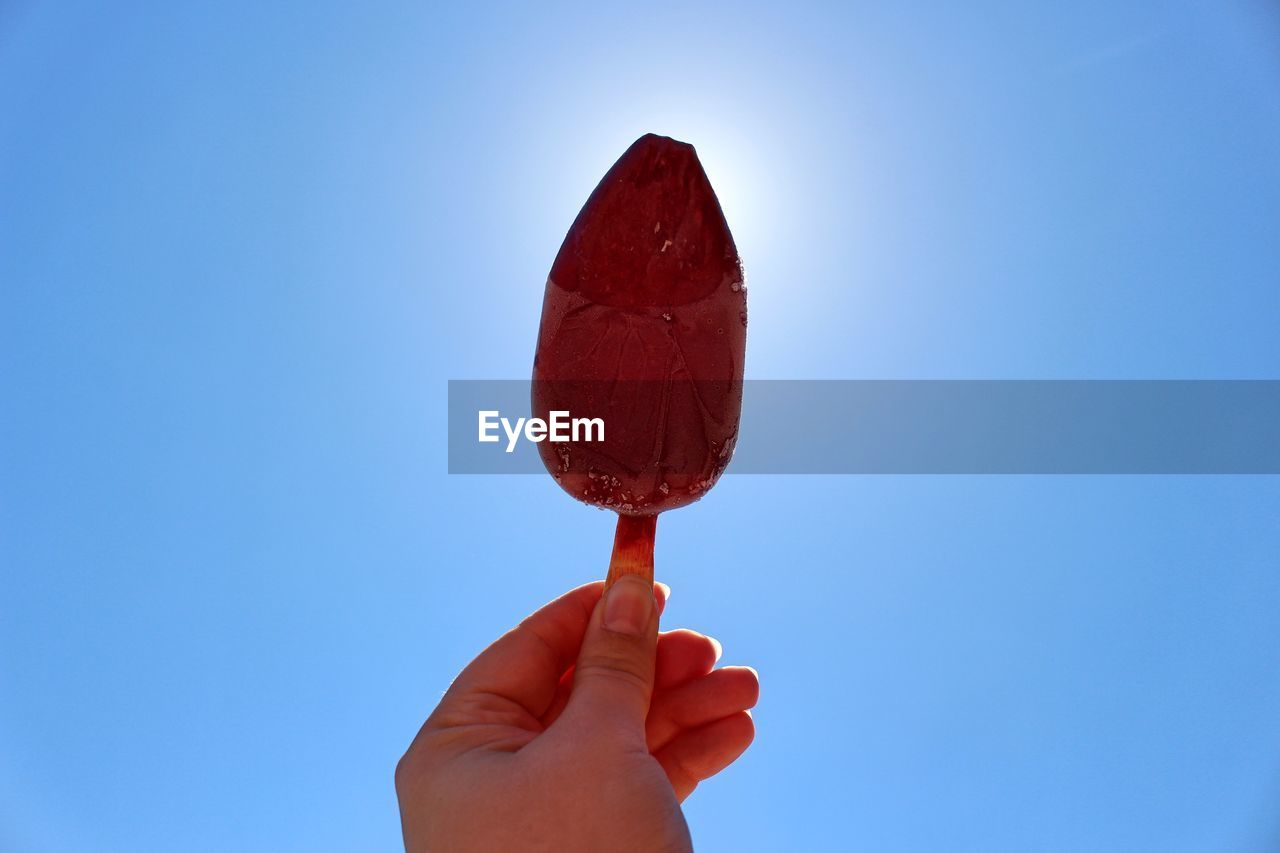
(656, 141)
(660, 138)
(651, 235)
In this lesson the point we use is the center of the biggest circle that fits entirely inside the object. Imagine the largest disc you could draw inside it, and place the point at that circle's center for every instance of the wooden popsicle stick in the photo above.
(632, 548)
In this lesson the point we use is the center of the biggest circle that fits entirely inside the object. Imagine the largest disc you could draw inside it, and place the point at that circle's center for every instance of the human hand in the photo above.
(582, 729)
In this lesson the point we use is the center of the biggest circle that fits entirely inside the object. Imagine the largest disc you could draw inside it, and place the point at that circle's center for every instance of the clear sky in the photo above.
(243, 249)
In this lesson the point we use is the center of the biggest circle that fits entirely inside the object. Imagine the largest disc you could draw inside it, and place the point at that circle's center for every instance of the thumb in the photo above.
(613, 678)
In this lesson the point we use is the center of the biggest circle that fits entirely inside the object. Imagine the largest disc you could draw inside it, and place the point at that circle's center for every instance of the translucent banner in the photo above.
(886, 426)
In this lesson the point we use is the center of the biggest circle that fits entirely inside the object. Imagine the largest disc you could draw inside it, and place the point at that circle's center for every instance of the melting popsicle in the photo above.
(644, 327)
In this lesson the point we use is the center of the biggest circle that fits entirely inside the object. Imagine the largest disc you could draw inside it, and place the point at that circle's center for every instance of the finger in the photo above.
(683, 655)
(613, 677)
(564, 688)
(525, 664)
(703, 752)
(719, 694)
(661, 592)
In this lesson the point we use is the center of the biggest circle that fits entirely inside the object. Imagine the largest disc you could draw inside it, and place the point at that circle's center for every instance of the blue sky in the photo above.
(242, 249)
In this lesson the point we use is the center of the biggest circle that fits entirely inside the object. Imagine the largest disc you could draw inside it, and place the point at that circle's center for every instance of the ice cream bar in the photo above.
(644, 330)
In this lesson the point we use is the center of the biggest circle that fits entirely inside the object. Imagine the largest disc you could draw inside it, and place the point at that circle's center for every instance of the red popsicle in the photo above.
(644, 326)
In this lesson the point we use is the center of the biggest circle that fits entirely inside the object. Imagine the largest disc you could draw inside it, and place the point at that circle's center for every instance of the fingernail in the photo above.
(716, 645)
(666, 590)
(628, 605)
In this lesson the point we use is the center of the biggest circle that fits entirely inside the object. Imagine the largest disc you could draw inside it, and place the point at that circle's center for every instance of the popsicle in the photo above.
(644, 328)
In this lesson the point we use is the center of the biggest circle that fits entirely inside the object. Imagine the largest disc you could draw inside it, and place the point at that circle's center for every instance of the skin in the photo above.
(582, 729)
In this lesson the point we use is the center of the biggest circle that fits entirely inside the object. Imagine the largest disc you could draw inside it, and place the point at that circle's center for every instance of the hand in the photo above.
(582, 729)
